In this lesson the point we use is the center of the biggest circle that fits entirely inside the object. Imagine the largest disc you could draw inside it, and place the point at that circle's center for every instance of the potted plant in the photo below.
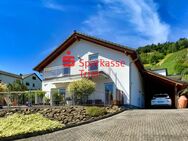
(56, 98)
(183, 99)
(47, 100)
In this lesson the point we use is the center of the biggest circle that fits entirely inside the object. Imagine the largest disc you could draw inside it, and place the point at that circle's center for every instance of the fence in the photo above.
(16, 98)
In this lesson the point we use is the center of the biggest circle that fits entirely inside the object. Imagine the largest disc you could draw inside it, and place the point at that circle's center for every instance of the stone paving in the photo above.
(131, 125)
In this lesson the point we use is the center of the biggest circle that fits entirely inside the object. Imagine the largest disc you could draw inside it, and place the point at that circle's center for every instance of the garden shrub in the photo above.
(81, 88)
(3, 87)
(95, 111)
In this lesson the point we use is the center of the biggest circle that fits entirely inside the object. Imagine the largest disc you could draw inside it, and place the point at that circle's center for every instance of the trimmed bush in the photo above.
(83, 87)
(95, 111)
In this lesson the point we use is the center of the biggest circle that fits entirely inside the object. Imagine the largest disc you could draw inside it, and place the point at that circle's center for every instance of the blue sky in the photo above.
(31, 29)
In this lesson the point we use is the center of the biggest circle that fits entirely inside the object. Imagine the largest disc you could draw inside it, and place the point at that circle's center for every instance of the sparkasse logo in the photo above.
(69, 61)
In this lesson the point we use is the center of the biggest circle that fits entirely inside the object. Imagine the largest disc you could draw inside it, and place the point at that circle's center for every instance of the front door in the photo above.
(109, 93)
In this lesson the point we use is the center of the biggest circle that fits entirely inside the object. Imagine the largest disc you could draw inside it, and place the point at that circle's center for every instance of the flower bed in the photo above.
(65, 115)
(58, 117)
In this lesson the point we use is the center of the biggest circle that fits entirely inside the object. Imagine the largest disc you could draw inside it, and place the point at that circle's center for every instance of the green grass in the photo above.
(171, 60)
(174, 62)
(148, 66)
(20, 124)
(94, 111)
(168, 62)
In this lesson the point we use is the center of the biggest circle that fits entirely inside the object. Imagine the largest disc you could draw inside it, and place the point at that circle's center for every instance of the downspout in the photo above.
(130, 82)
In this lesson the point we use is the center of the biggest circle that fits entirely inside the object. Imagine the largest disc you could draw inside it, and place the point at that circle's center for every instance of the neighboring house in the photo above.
(7, 77)
(175, 77)
(32, 81)
(128, 84)
(162, 71)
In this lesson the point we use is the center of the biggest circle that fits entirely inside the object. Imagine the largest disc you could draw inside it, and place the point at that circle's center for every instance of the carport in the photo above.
(156, 84)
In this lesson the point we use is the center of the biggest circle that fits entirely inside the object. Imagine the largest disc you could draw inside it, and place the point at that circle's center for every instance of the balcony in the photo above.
(54, 72)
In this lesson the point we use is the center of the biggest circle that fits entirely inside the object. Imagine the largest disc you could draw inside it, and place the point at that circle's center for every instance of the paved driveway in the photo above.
(132, 125)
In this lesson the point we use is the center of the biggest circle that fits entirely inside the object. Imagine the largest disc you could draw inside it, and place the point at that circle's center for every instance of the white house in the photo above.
(32, 81)
(161, 71)
(119, 75)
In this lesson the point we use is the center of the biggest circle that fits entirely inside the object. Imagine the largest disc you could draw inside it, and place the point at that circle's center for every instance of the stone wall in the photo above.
(66, 115)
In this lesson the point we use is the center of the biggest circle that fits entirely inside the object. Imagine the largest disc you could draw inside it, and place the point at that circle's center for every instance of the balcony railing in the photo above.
(52, 72)
(58, 71)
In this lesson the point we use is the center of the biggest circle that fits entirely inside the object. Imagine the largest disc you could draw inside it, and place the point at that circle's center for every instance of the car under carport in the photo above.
(158, 84)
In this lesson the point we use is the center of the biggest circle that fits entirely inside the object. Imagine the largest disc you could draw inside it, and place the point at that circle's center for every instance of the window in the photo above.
(93, 62)
(27, 84)
(33, 85)
(93, 56)
(109, 88)
(62, 91)
(66, 71)
(34, 78)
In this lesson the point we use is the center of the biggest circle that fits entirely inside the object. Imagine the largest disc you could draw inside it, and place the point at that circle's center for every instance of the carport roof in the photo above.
(165, 79)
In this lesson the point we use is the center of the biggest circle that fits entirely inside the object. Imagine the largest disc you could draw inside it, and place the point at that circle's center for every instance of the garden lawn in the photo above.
(20, 124)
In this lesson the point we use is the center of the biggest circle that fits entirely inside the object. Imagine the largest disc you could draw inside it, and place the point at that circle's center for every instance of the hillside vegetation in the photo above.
(170, 55)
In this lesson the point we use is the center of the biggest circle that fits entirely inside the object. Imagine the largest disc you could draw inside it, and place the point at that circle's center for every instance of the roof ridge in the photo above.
(27, 73)
(9, 73)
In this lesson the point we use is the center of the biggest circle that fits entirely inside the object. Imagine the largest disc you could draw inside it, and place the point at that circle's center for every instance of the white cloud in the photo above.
(52, 4)
(130, 22)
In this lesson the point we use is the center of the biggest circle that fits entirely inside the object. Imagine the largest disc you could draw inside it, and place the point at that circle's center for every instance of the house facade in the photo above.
(7, 77)
(31, 81)
(117, 71)
(123, 81)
